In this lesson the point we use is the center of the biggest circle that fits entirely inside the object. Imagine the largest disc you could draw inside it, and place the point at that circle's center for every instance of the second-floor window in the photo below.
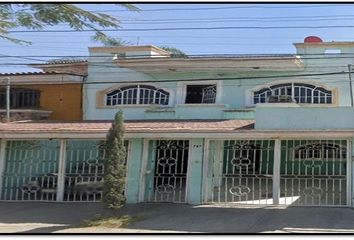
(20, 98)
(137, 95)
(298, 92)
(203, 94)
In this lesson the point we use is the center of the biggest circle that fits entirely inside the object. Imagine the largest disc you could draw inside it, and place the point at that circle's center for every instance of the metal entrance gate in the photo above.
(309, 173)
(166, 176)
(313, 172)
(240, 171)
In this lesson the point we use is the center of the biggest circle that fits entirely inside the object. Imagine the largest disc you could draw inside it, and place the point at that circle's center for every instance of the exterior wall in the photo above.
(51, 159)
(278, 117)
(63, 99)
(234, 94)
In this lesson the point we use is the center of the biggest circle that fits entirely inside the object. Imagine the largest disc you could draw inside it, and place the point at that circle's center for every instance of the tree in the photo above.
(114, 177)
(112, 41)
(175, 52)
(38, 16)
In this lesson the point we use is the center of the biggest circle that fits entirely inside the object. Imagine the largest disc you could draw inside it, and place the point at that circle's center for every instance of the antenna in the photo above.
(137, 41)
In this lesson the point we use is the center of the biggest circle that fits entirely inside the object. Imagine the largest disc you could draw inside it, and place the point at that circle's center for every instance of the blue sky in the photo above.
(233, 41)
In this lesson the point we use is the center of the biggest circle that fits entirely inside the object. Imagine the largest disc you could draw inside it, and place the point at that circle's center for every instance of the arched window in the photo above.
(299, 92)
(136, 95)
(20, 98)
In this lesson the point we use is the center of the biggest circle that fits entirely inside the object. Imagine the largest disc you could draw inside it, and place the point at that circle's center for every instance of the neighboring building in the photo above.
(42, 95)
(251, 129)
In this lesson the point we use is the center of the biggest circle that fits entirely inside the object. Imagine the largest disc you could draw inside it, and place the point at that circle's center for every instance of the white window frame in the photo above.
(116, 87)
(182, 91)
(250, 92)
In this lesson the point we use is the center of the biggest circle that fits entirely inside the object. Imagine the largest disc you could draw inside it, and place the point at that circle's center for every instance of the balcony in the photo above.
(25, 114)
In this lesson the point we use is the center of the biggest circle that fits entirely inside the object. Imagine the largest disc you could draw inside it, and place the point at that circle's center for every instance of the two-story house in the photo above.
(245, 129)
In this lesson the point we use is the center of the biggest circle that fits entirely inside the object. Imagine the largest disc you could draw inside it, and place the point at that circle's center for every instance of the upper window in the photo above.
(136, 95)
(201, 94)
(298, 92)
(20, 98)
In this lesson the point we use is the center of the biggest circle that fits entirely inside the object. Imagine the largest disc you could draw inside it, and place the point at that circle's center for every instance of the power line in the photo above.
(207, 69)
(221, 78)
(225, 8)
(184, 28)
(237, 18)
(231, 55)
(222, 20)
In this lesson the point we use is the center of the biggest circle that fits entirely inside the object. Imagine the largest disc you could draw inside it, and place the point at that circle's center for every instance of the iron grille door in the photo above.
(313, 172)
(169, 160)
(240, 172)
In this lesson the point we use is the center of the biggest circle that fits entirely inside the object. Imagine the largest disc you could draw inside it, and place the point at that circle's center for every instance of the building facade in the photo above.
(42, 95)
(251, 129)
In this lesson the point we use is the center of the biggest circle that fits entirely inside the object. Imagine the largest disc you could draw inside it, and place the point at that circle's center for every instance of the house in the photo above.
(244, 129)
(42, 95)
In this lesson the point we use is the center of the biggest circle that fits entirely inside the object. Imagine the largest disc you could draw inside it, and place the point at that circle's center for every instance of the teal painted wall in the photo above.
(304, 118)
(133, 171)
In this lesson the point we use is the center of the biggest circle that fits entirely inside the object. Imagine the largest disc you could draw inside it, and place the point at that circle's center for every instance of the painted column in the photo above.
(195, 170)
(61, 171)
(133, 171)
(276, 171)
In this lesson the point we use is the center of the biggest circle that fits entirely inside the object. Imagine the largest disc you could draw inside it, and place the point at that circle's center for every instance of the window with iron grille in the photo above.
(137, 95)
(299, 92)
(20, 98)
(203, 94)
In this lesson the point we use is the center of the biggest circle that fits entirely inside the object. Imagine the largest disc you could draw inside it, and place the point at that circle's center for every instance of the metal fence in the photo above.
(34, 171)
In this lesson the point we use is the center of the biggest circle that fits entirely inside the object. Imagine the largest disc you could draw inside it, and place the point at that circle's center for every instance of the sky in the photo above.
(194, 42)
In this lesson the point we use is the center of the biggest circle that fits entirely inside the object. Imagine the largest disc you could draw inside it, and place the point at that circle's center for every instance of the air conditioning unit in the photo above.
(280, 99)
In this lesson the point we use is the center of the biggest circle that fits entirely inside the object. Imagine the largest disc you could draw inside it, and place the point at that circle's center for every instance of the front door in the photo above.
(166, 174)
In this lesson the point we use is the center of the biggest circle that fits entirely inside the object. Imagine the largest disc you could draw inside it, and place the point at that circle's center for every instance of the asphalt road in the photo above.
(31, 217)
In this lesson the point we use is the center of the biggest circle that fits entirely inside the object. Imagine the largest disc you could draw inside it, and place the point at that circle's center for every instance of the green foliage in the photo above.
(109, 41)
(66, 59)
(114, 178)
(37, 16)
(175, 52)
